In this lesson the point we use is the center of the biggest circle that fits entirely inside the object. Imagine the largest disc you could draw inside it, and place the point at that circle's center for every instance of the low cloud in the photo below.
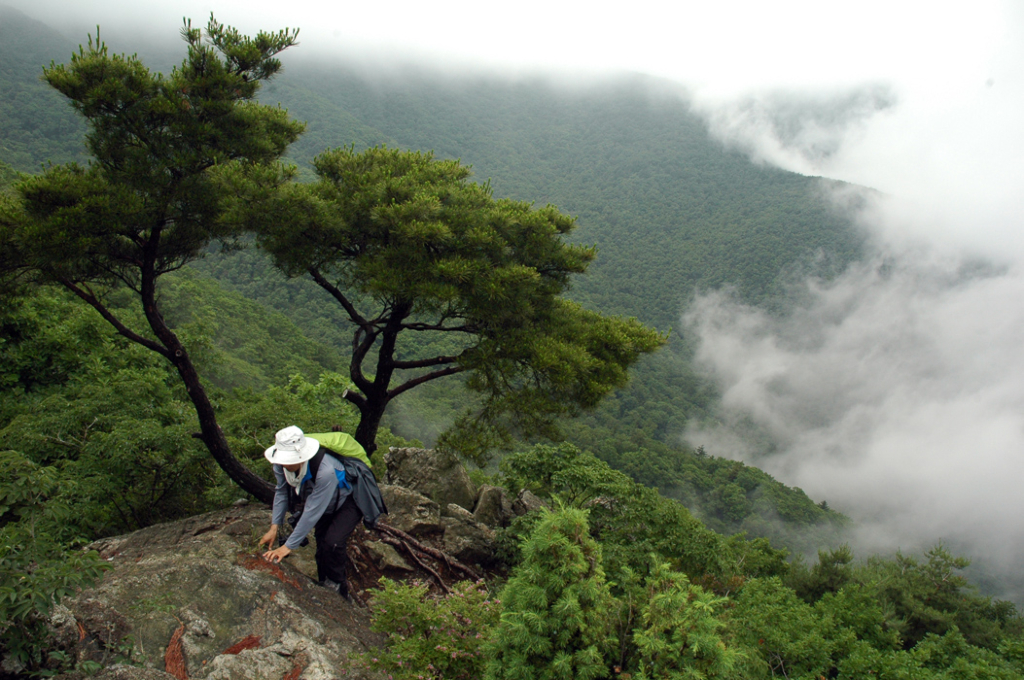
(798, 130)
(895, 392)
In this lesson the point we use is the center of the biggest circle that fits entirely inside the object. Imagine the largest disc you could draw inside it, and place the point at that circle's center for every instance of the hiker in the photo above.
(326, 480)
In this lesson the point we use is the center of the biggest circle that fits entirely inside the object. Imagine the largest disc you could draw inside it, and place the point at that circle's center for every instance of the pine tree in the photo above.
(152, 198)
(408, 246)
(555, 623)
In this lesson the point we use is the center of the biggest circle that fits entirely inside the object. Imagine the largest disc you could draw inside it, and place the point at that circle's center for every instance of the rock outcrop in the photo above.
(437, 475)
(194, 599)
(466, 539)
(493, 507)
(412, 512)
(527, 502)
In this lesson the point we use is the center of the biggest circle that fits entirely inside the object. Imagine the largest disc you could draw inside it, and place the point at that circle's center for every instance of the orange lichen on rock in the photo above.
(248, 642)
(257, 563)
(174, 658)
(294, 673)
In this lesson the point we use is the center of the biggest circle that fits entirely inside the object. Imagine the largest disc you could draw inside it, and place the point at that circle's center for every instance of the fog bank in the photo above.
(895, 392)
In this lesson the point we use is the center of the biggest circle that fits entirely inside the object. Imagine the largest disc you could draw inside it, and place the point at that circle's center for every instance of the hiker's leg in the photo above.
(331, 541)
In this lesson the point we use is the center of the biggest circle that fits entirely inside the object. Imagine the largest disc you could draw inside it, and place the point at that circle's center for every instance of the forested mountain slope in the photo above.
(36, 124)
(669, 209)
(667, 206)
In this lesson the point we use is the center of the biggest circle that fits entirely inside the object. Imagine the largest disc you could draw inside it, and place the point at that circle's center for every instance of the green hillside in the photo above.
(668, 208)
(36, 124)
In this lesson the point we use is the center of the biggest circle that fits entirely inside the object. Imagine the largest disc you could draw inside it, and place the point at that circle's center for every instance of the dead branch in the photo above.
(452, 563)
(399, 543)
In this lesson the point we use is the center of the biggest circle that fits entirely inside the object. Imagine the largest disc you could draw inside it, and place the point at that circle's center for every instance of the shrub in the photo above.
(37, 565)
(432, 637)
(679, 637)
(555, 623)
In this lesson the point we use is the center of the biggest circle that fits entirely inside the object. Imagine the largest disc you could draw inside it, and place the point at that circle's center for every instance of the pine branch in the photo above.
(346, 304)
(93, 301)
(426, 363)
(415, 382)
(419, 326)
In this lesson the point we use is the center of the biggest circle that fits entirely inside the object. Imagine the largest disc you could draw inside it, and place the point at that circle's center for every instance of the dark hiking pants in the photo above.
(331, 533)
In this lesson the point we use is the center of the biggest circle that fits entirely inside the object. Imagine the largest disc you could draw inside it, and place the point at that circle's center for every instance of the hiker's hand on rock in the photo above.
(276, 556)
(269, 537)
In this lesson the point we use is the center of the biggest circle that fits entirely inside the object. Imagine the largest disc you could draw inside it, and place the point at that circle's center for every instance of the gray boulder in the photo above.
(466, 539)
(386, 557)
(437, 475)
(493, 507)
(527, 502)
(194, 598)
(411, 512)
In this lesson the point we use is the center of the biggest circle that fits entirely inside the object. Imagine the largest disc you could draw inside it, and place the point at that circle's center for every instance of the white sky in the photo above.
(723, 44)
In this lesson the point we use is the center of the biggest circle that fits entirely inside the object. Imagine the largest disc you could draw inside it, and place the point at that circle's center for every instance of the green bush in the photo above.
(432, 637)
(680, 634)
(38, 566)
(555, 624)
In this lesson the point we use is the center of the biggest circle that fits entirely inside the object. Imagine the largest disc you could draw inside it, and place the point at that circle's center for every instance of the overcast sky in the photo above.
(897, 393)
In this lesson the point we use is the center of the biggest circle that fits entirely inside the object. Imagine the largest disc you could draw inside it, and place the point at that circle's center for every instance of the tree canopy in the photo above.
(408, 246)
(152, 196)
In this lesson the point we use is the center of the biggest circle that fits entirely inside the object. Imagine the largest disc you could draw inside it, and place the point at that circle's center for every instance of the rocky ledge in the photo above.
(194, 599)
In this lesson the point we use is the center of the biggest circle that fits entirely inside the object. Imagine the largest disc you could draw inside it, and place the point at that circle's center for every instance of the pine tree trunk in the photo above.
(214, 438)
(210, 432)
(370, 415)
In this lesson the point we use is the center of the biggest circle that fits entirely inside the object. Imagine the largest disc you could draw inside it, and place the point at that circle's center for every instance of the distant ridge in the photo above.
(36, 124)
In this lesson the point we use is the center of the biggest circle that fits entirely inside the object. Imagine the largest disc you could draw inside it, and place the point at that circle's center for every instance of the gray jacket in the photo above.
(324, 490)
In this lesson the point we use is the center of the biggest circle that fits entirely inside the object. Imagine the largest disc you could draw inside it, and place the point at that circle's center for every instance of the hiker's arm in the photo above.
(269, 537)
(280, 508)
(314, 509)
(280, 498)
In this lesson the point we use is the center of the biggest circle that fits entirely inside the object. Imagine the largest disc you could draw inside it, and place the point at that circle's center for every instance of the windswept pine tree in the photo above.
(151, 199)
(408, 246)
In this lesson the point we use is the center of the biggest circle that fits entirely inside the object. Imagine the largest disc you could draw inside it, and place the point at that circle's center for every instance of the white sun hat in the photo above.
(291, 447)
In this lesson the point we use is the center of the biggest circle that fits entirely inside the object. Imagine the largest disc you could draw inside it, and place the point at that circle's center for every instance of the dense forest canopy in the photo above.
(36, 124)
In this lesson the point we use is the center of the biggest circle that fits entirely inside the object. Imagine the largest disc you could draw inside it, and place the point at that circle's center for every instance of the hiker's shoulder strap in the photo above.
(314, 463)
(338, 458)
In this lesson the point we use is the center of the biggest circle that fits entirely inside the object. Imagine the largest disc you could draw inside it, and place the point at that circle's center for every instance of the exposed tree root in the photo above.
(410, 543)
(399, 543)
